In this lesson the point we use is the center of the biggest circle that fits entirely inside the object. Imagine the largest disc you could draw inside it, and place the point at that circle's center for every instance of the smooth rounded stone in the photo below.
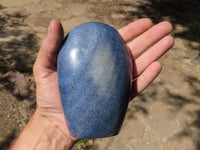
(94, 72)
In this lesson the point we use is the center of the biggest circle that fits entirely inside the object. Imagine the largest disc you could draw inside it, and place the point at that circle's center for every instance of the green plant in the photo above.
(24, 120)
(81, 144)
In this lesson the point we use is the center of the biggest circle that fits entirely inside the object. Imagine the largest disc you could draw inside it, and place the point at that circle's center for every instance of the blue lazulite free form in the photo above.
(94, 73)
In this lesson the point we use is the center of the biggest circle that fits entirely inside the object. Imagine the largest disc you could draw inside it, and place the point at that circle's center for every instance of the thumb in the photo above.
(47, 56)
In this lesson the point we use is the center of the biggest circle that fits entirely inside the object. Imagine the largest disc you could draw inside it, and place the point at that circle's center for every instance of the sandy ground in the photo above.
(166, 116)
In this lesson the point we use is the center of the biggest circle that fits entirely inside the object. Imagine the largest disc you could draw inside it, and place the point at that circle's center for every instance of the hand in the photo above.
(149, 44)
(146, 44)
(45, 73)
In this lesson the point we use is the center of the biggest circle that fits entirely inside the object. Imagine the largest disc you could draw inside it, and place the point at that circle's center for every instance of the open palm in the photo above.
(145, 42)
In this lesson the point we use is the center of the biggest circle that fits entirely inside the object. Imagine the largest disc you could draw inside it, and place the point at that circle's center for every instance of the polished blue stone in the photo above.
(94, 72)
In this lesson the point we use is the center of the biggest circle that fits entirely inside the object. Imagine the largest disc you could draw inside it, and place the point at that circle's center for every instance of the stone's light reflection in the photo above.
(73, 55)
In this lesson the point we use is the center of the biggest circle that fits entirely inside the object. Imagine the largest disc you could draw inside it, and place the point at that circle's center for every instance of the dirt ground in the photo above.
(166, 116)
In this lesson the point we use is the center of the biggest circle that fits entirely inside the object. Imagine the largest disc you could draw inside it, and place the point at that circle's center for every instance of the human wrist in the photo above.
(51, 136)
(41, 133)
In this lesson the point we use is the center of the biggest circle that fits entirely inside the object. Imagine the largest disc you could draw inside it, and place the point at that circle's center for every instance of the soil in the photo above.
(166, 116)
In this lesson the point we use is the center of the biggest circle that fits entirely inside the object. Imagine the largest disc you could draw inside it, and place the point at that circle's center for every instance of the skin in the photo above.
(47, 128)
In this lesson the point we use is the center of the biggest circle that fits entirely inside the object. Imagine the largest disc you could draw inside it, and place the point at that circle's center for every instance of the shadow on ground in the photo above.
(192, 129)
(18, 48)
(183, 14)
(178, 104)
(185, 17)
(8, 140)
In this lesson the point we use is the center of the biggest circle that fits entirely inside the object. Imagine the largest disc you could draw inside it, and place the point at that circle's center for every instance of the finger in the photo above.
(154, 53)
(47, 56)
(146, 77)
(148, 38)
(135, 28)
